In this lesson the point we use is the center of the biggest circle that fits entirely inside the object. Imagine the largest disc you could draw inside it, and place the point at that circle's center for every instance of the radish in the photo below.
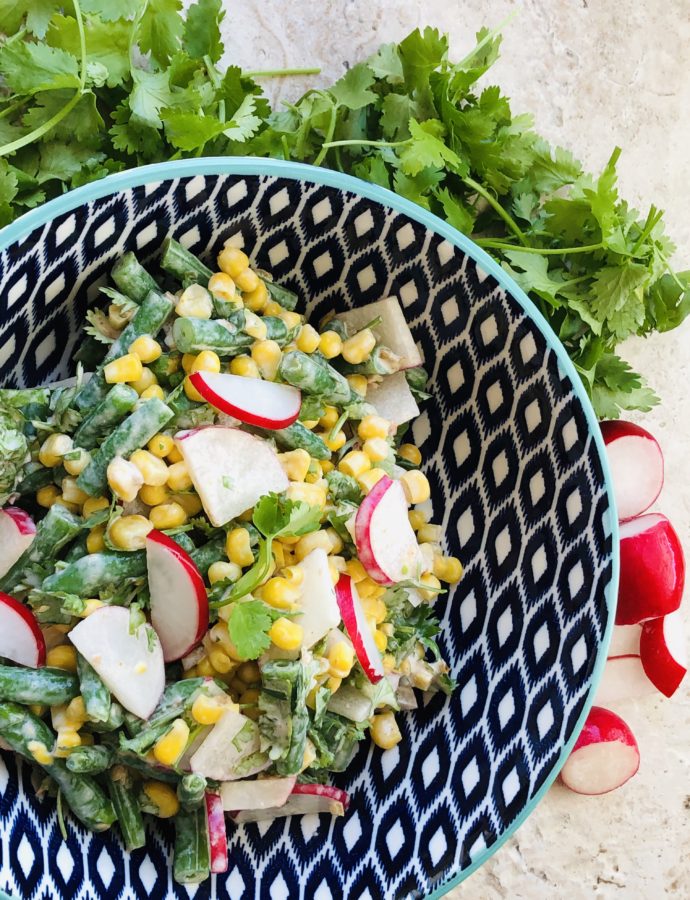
(386, 543)
(232, 739)
(652, 567)
(604, 757)
(392, 331)
(393, 399)
(358, 629)
(662, 652)
(21, 638)
(625, 640)
(623, 679)
(217, 835)
(251, 400)
(129, 662)
(230, 469)
(17, 532)
(318, 604)
(265, 793)
(637, 467)
(179, 604)
(305, 799)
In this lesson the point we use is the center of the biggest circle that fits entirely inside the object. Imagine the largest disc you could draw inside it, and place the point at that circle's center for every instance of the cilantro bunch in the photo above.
(93, 87)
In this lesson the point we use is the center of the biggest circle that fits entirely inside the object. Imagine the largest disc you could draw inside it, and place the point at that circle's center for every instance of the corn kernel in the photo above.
(123, 369)
(374, 607)
(431, 534)
(146, 381)
(317, 539)
(163, 797)
(247, 281)
(95, 541)
(206, 361)
(359, 384)
(336, 442)
(232, 261)
(146, 348)
(341, 659)
(189, 502)
(169, 748)
(257, 299)
(47, 495)
(448, 569)
(244, 366)
(356, 570)
(313, 494)
(179, 478)
(308, 339)
(153, 470)
(358, 348)
(222, 286)
(72, 507)
(416, 486)
(254, 326)
(266, 355)
(40, 753)
(354, 463)
(75, 713)
(385, 732)
(195, 302)
(377, 449)
(38, 709)
(411, 453)
(417, 519)
(167, 515)
(238, 547)
(220, 661)
(160, 445)
(53, 449)
(330, 344)
(310, 423)
(124, 478)
(219, 634)
(428, 578)
(94, 504)
(373, 427)
(286, 635)
(295, 464)
(208, 710)
(154, 496)
(292, 319)
(329, 418)
(129, 532)
(77, 465)
(280, 593)
(91, 606)
(204, 668)
(188, 362)
(191, 392)
(62, 657)
(154, 391)
(368, 479)
(175, 456)
(223, 571)
(335, 539)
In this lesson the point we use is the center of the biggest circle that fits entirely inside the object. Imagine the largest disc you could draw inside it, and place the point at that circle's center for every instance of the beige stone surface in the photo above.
(595, 73)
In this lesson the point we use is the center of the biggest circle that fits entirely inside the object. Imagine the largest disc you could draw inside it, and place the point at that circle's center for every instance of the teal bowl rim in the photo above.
(246, 165)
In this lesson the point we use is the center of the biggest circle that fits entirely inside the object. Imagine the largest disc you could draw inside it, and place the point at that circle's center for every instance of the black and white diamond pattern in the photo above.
(523, 504)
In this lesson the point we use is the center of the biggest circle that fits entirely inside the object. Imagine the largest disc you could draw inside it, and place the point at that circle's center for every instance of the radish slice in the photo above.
(217, 834)
(625, 640)
(265, 793)
(17, 532)
(393, 399)
(305, 799)
(662, 652)
(386, 543)
(637, 466)
(604, 757)
(319, 611)
(21, 638)
(623, 679)
(392, 331)
(652, 566)
(129, 663)
(251, 400)
(179, 603)
(358, 629)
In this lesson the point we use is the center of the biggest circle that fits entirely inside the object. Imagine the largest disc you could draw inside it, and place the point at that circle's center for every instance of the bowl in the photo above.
(519, 481)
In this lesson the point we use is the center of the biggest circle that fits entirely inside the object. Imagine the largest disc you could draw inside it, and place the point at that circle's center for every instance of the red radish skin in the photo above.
(17, 532)
(358, 629)
(637, 466)
(604, 757)
(623, 679)
(21, 639)
(652, 570)
(305, 799)
(323, 790)
(386, 543)
(662, 652)
(217, 834)
(179, 602)
(264, 404)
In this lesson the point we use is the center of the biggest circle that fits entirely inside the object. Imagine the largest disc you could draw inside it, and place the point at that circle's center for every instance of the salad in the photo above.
(217, 569)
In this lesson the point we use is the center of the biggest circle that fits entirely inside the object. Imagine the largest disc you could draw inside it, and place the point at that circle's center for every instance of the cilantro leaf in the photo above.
(618, 297)
(202, 30)
(427, 149)
(386, 64)
(32, 67)
(420, 54)
(352, 90)
(113, 10)
(618, 388)
(160, 29)
(248, 626)
(150, 95)
(244, 122)
(37, 12)
(188, 131)
(107, 43)
(275, 516)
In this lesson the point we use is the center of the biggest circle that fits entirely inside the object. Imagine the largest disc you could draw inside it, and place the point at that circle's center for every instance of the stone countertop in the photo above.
(595, 73)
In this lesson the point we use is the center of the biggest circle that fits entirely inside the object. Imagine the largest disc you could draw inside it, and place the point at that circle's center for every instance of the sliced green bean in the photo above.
(126, 805)
(297, 436)
(183, 265)
(315, 376)
(58, 527)
(209, 553)
(192, 863)
(174, 702)
(34, 479)
(96, 695)
(132, 278)
(150, 771)
(382, 361)
(116, 717)
(287, 298)
(91, 574)
(77, 550)
(90, 760)
(220, 335)
(95, 427)
(191, 790)
(44, 685)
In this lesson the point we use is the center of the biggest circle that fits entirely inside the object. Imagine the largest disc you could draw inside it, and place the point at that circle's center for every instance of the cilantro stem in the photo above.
(492, 244)
(496, 206)
(670, 270)
(61, 815)
(38, 133)
(281, 73)
(329, 135)
(338, 425)
(653, 216)
(354, 143)
(12, 107)
(488, 37)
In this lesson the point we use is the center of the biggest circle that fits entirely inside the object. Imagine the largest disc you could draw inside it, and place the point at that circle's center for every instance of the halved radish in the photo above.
(251, 400)
(652, 569)
(230, 469)
(662, 652)
(21, 638)
(625, 640)
(264, 793)
(604, 757)
(223, 749)
(392, 331)
(179, 603)
(358, 628)
(393, 399)
(637, 466)
(130, 663)
(17, 532)
(305, 799)
(623, 679)
(386, 543)
(318, 606)
(217, 835)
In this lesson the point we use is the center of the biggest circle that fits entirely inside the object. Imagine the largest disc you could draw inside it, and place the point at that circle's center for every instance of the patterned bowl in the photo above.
(519, 481)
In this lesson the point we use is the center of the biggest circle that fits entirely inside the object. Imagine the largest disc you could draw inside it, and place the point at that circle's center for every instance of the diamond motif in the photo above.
(541, 642)
(537, 488)
(366, 278)
(569, 434)
(506, 709)
(105, 866)
(281, 200)
(468, 696)
(545, 719)
(489, 329)
(364, 223)
(430, 767)
(236, 192)
(510, 786)
(494, 396)
(504, 626)
(578, 654)
(533, 416)
(470, 777)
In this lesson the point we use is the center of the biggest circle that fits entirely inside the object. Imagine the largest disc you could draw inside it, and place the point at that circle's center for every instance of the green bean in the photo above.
(183, 265)
(297, 436)
(151, 771)
(89, 354)
(116, 717)
(58, 527)
(287, 298)
(209, 553)
(35, 478)
(87, 801)
(276, 330)
(125, 803)
(382, 361)
(315, 376)
(34, 412)
(77, 550)
(165, 367)
(89, 575)
(337, 325)
(96, 695)
(192, 862)
(417, 378)
(90, 760)
(149, 319)
(175, 700)
(130, 435)
(132, 278)
(224, 309)
(44, 685)
(95, 427)
(184, 541)
(190, 790)
(220, 335)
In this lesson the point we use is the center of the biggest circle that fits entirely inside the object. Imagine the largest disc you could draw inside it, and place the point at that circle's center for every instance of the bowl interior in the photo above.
(517, 483)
